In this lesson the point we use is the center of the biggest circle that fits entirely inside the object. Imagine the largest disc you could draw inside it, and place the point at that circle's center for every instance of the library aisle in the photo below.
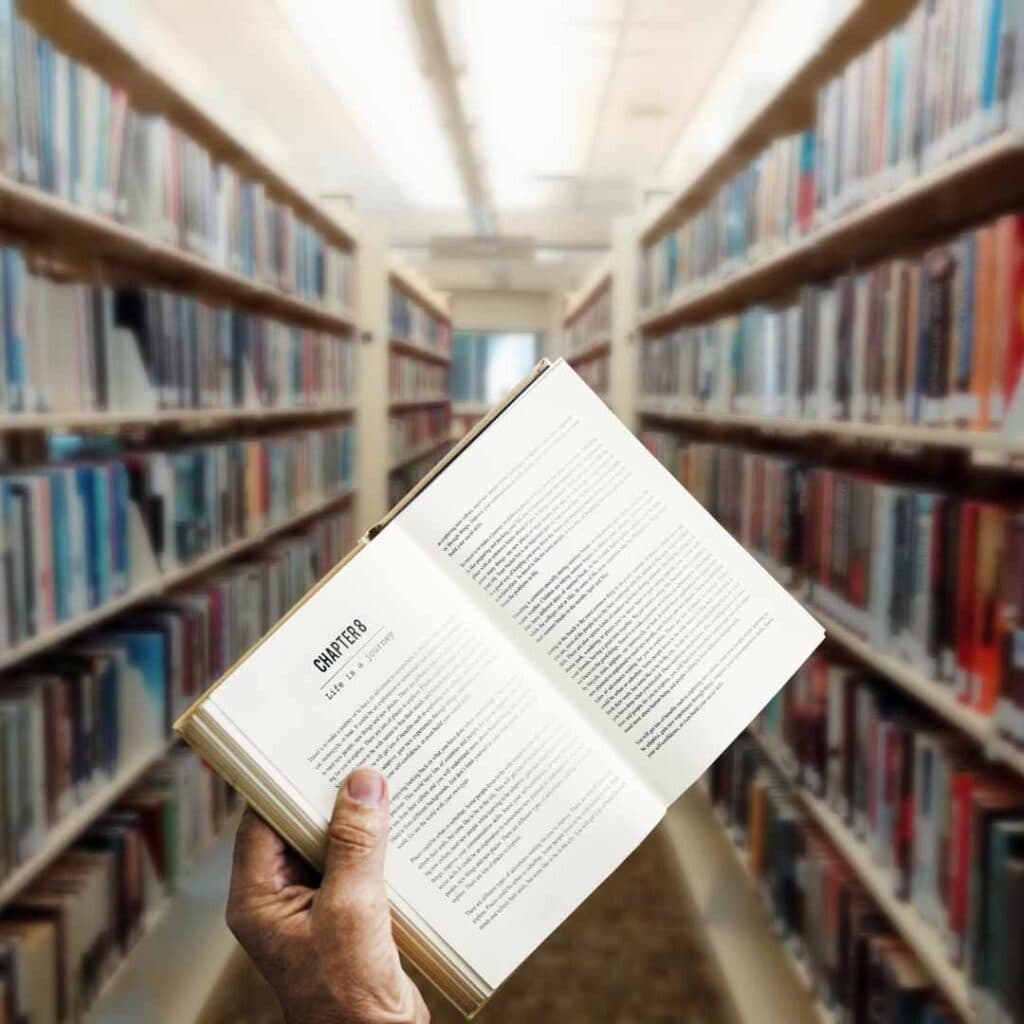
(266, 263)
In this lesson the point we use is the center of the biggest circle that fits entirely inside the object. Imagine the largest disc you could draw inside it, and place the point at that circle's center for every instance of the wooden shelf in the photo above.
(162, 583)
(599, 281)
(411, 348)
(601, 347)
(55, 223)
(72, 825)
(404, 277)
(964, 190)
(921, 937)
(800, 970)
(789, 109)
(765, 983)
(171, 971)
(85, 30)
(933, 693)
(979, 441)
(471, 408)
(186, 419)
(419, 453)
(413, 403)
(930, 692)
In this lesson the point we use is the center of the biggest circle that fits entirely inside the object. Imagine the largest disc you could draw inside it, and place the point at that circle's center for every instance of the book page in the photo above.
(659, 628)
(507, 810)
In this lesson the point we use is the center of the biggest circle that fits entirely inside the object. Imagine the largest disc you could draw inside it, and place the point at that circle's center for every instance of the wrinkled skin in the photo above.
(326, 950)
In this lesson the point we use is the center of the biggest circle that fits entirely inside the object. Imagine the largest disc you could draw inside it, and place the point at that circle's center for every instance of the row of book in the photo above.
(590, 327)
(65, 130)
(71, 347)
(931, 578)
(75, 536)
(944, 826)
(412, 322)
(860, 970)
(77, 716)
(931, 340)
(946, 80)
(596, 373)
(770, 204)
(409, 377)
(402, 479)
(63, 937)
(414, 429)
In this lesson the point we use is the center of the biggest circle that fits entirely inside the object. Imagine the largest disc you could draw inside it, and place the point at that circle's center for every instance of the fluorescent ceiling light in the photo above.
(365, 49)
(536, 76)
(776, 39)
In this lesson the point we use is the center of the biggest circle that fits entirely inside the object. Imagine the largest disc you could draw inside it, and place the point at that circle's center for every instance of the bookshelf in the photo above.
(163, 420)
(987, 448)
(951, 184)
(980, 182)
(921, 937)
(106, 36)
(787, 109)
(419, 424)
(587, 328)
(52, 224)
(273, 253)
(164, 582)
(74, 824)
(162, 977)
(930, 692)
(766, 982)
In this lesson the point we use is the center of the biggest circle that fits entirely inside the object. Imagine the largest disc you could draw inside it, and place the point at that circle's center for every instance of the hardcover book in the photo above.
(541, 646)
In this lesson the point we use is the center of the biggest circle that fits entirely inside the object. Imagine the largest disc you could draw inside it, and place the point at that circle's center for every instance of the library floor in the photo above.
(632, 954)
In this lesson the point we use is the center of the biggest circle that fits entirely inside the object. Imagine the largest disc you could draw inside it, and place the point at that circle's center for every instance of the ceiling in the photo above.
(571, 107)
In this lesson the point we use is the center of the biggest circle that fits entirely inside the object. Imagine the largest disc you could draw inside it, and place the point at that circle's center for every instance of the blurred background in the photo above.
(264, 261)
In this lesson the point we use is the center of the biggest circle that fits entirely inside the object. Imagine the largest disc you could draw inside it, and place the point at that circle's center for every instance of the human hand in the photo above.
(327, 951)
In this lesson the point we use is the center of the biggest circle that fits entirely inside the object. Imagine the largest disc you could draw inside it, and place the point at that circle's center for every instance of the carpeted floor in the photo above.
(631, 954)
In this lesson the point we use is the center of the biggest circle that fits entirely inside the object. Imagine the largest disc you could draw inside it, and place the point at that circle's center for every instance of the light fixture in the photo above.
(366, 52)
(536, 75)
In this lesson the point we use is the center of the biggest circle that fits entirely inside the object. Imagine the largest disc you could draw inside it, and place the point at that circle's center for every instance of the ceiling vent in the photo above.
(472, 247)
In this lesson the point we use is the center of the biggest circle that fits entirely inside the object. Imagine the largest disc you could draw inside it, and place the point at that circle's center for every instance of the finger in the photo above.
(358, 834)
(258, 855)
(353, 910)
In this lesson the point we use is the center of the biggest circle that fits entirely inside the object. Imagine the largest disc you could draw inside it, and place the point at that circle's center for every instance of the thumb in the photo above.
(357, 840)
(353, 917)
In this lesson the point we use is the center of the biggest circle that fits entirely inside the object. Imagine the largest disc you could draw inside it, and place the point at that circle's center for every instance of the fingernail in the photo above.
(366, 786)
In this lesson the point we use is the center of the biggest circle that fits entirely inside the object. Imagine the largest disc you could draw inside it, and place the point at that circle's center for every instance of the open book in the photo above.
(542, 647)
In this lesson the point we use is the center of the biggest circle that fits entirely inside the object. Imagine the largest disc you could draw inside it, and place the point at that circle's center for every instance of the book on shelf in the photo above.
(78, 534)
(926, 577)
(412, 378)
(944, 826)
(74, 347)
(405, 477)
(79, 716)
(944, 81)
(63, 936)
(548, 601)
(66, 131)
(929, 339)
(591, 326)
(859, 967)
(413, 429)
(412, 322)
